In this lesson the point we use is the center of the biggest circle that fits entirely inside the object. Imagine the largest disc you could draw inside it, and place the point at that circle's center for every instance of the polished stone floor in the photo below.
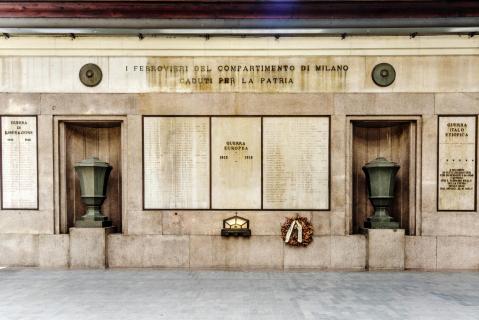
(159, 294)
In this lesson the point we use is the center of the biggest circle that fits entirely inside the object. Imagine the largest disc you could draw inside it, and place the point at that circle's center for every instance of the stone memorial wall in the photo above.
(268, 133)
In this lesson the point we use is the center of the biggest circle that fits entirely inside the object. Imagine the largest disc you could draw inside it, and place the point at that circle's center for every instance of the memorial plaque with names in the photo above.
(296, 163)
(236, 162)
(19, 163)
(457, 163)
(176, 162)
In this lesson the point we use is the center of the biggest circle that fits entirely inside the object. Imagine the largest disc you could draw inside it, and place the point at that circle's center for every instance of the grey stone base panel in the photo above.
(97, 248)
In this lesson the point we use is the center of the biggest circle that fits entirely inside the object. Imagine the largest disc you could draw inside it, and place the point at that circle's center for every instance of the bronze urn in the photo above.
(93, 174)
(380, 176)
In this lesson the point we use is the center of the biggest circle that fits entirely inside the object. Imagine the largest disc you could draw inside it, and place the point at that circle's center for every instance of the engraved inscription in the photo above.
(457, 163)
(176, 162)
(239, 74)
(19, 163)
(296, 163)
(236, 162)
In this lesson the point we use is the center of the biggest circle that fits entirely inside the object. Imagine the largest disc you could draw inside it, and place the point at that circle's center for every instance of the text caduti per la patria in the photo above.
(258, 73)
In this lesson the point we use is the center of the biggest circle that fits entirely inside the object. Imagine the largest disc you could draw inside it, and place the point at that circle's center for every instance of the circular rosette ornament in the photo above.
(297, 232)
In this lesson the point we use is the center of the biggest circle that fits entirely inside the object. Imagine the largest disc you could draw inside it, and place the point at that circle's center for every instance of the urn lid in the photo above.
(381, 162)
(92, 162)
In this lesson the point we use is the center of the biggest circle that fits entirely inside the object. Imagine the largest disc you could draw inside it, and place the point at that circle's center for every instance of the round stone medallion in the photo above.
(90, 75)
(384, 74)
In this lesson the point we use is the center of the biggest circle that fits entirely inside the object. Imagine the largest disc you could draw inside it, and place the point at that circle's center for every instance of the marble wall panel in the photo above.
(19, 162)
(457, 103)
(18, 250)
(348, 252)
(296, 163)
(134, 181)
(370, 104)
(450, 224)
(457, 253)
(26, 221)
(88, 248)
(188, 104)
(386, 249)
(447, 73)
(256, 252)
(236, 163)
(283, 103)
(148, 251)
(176, 162)
(429, 164)
(20, 103)
(88, 103)
(457, 163)
(420, 253)
(54, 251)
(45, 160)
(317, 255)
(262, 223)
(145, 222)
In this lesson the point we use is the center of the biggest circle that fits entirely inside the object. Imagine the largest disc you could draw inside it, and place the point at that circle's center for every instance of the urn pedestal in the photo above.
(93, 174)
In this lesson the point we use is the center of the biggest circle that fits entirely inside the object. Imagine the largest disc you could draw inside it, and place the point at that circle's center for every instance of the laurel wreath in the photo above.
(307, 231)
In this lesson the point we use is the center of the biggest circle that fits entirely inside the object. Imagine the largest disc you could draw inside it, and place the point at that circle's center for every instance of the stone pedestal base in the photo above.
(386, 249)
(380, 219)
(88, 247)
(381, 223)
(93, 223)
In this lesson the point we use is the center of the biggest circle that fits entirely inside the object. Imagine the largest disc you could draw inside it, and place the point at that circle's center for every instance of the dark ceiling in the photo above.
(246, 9)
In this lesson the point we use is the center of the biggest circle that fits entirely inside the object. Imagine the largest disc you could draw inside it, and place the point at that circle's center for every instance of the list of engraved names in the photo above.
(19, 163)
(236, 162)
(296, 163)
(256, 163)
(457, 163)
(176, 162)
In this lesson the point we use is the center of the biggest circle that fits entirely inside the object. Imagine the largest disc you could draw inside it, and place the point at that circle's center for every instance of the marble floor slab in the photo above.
(160, 294)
